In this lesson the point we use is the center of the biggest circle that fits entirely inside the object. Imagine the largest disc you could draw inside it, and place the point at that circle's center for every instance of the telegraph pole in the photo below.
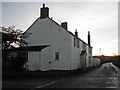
(100, 52)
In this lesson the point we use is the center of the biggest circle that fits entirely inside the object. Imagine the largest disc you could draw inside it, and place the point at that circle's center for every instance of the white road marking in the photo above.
(53, 82)
(50, 83)
(112, 82)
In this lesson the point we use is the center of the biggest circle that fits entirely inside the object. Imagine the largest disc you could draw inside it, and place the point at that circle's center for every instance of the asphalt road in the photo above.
(105, 76)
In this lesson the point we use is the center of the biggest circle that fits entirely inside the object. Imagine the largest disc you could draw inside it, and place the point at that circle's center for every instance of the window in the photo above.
(56, 55)
(78, 43)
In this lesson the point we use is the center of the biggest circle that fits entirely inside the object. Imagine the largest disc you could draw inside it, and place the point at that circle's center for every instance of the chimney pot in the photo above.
(44, 12)
(76, 33)
(89, 38)
(43, 5)
(64, 25)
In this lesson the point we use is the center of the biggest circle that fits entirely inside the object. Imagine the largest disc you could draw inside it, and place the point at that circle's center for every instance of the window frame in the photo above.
(57, 56)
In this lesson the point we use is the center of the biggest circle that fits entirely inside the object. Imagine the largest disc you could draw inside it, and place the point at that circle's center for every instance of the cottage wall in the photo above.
(75, 53)
(47, 32)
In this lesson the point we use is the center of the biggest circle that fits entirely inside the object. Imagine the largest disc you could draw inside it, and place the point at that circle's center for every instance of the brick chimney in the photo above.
(44, 12)
(89, 38)
(64, 25)
(76, 33)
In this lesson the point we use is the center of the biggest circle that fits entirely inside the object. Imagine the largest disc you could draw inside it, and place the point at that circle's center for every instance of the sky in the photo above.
(100, 18)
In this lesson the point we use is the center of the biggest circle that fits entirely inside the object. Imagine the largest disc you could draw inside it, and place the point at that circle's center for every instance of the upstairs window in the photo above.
(56, 55)
(78, 43)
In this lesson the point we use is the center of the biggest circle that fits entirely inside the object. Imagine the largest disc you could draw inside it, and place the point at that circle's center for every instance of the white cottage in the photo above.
(52, 47)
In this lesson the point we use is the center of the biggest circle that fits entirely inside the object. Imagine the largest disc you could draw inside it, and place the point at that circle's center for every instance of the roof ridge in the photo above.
(69, 31)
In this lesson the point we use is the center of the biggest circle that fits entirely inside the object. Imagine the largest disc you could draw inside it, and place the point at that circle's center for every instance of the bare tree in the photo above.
(12, 38)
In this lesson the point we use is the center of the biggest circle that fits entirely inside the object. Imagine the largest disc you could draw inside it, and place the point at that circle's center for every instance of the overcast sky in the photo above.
(100, 18)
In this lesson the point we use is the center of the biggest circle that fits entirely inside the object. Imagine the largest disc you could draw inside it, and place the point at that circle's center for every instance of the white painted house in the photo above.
(52, 47)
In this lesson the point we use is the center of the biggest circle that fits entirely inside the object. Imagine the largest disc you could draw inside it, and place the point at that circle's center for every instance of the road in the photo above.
(105, 76)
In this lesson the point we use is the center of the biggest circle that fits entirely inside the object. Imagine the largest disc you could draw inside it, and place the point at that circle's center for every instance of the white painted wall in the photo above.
(83, 57)
(45, 59)
(75, 55)
(47, 32)
(96, 62)
(87, 57)
(34, 60)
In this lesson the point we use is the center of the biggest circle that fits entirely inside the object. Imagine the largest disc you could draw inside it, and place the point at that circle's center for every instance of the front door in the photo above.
(83, 61)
